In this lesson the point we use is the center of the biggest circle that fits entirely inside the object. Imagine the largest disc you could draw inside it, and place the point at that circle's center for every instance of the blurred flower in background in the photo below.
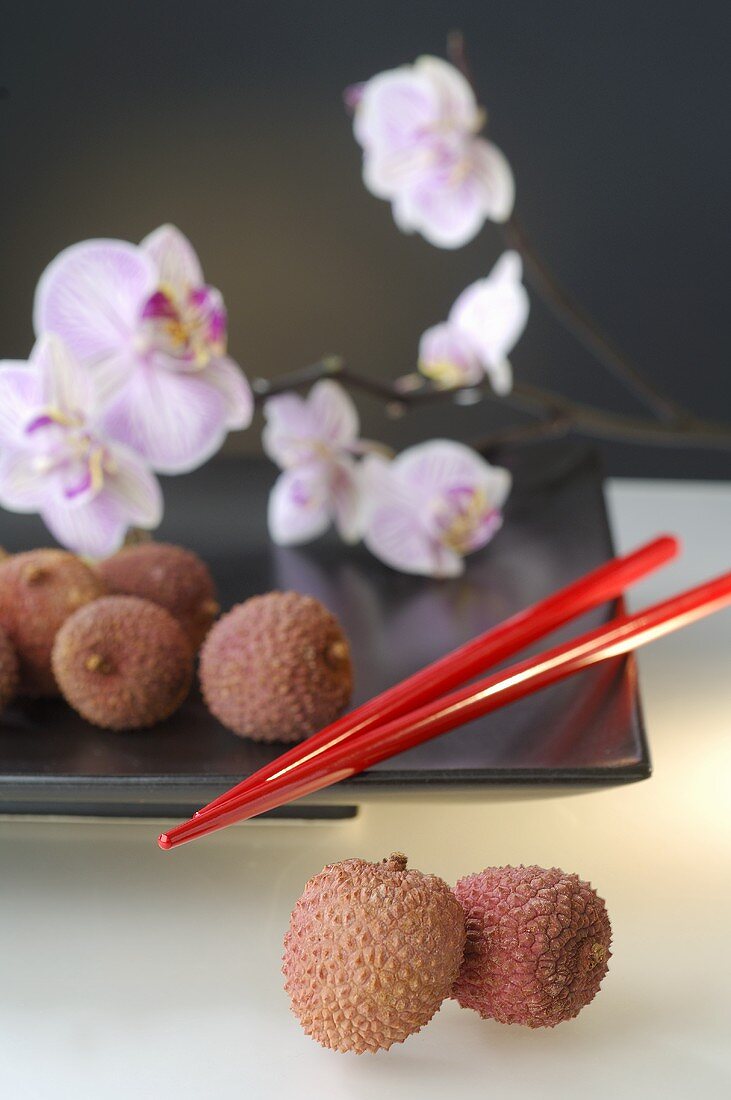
(55, 458)
(154, 334)
(313, 440)
(483, 327)
(418, 126)
(432, 505)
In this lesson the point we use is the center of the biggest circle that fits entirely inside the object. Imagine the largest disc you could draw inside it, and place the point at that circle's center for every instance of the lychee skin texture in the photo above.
(39, 590)
(171, 576)
(8, 670)
(537, 945)
(276, 668)
(123, 663)
(371, 952)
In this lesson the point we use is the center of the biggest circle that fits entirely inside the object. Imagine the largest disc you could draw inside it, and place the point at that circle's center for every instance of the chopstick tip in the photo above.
(164, 842)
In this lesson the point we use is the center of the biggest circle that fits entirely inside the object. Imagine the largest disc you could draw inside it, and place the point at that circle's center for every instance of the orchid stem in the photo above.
(557, 415)
(562, 304)
(584, 329)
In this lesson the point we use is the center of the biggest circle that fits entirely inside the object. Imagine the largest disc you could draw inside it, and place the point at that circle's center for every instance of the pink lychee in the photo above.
(537, 945)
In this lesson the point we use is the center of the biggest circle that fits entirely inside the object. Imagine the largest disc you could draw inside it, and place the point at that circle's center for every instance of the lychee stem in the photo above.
(337, 652)
(96, 663)
(32, 574)
(396, 861)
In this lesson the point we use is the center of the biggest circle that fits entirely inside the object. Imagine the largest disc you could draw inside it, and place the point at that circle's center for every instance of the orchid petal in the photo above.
(438, 465)
(393, 530)
(396, 538)
(496, 483)
(230, 381)
(298, 506)
(501, 376)
(92, 295)
(67, 386)
(493, 313)
(20, 397)
(135, 488)
(432, 505)
(447, 214)
(394, 107)
(457, 103)
(175, 258)
(386, 175)
(334, 415)
(447, 355)
(288, 429)
(96, 528)
(347, 500)
(22, 486)
(495, 176)
(174, 419)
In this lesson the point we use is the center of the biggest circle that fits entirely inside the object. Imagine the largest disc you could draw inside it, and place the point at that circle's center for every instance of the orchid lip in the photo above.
(50, 417)
(191, 328)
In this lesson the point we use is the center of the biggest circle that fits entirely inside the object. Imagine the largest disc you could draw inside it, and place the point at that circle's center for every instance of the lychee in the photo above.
(8, 670)
(537, 945)
(171, 576)
(371, 952)
(123, 663)
(276, 668)
(38, 591)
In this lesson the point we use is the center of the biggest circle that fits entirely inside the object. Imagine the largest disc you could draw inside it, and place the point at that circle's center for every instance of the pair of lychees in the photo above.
(119, 639)
(373, 949)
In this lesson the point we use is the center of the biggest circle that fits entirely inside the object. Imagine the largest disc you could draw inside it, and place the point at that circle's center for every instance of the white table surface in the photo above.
(126, 972)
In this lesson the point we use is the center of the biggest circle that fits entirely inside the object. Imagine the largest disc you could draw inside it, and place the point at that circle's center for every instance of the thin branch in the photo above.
(556, 415)
(563, 305)
(583, 327)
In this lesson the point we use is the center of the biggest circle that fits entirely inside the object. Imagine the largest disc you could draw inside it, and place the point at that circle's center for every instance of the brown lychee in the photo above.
(8, 670)
(171, 576)
(38, 591)
(123, 663)
(537, 945)
(276, 668)
(371, 952)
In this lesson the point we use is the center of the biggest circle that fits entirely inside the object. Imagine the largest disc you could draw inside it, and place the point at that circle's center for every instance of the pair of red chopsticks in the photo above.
(425, 705)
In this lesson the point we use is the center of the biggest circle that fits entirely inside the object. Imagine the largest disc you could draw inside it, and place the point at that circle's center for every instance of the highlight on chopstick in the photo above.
(348, 757)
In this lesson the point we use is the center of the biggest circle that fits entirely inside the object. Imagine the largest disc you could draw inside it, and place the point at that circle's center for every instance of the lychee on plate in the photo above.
(8, 670)
(372, 951)
(537, 945)
(123, 663)
(276, 667)
(39, 590)
(171, 576)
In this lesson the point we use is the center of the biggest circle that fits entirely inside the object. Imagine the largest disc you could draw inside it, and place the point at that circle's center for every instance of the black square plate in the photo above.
(586, 730)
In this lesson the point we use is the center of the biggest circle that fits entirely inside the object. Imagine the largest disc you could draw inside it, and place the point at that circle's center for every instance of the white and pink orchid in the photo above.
(153, 332)
(484, 325)
(55, 458)
(431, 506)
(418, 126)
(313, 440)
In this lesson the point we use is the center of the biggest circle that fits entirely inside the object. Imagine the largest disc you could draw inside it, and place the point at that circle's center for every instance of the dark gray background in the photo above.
(226, 119)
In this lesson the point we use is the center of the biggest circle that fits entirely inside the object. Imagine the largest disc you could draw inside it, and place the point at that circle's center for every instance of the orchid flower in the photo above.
(313, 440)
(55, 459)
(483, 327)
(143, 318)
(432, 505)
(418, 128)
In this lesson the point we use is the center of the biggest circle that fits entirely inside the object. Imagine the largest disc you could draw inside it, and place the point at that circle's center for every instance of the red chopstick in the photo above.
(501, 641)
(623, 634)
